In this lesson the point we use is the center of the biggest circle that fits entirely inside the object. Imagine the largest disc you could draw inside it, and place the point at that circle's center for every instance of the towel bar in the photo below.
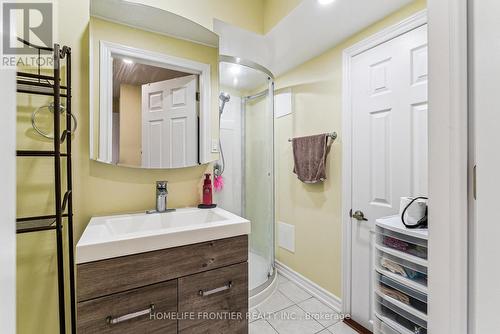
(332, 135)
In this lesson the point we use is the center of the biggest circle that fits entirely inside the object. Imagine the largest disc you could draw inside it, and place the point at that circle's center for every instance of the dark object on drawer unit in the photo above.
(422, 222)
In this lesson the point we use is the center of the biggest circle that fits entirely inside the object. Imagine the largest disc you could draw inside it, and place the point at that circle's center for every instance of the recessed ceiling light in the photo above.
(235, 81)
(325, 2)
(128, 61)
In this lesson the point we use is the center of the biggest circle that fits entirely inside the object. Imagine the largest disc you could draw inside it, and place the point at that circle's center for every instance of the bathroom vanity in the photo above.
(133, 285)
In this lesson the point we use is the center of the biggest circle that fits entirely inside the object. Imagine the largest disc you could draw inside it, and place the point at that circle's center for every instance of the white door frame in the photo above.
(8, 201)
(448, 167)
(381, 37)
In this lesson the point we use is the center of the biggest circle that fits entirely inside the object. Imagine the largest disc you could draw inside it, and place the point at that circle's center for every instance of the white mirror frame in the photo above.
(106, 53)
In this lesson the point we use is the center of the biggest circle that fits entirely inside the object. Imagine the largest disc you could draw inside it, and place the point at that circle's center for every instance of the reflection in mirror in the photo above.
(154, 87)
(155, 116)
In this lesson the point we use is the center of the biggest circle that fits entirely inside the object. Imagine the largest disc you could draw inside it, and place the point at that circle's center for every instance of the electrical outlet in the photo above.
(215, 146)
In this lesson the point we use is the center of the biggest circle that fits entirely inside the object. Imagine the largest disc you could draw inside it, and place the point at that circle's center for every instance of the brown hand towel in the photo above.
(309, 155)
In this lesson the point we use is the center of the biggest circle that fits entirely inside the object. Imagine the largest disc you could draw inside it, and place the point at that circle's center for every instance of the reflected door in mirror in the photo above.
(170, 123)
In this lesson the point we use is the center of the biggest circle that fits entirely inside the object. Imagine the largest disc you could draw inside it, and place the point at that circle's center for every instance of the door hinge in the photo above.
(198, 96)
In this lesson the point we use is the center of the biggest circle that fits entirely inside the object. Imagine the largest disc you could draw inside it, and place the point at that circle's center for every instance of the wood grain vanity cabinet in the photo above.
(199, 288)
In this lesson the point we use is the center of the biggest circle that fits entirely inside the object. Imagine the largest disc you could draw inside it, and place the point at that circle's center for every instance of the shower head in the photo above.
(224, 97)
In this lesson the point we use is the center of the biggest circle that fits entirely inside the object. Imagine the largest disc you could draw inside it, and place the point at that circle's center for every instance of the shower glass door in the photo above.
(247, 143)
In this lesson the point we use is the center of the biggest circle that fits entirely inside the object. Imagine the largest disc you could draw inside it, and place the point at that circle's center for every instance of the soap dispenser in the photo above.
(207, 193)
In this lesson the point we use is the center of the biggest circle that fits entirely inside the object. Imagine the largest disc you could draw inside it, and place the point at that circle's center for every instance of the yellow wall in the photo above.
(276, 10)
(98, 189)
(315, 210)
(246, 14)
(130, 125)
(101, 30)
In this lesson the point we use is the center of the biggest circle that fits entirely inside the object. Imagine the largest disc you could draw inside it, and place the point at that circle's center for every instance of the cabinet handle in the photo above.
(112, 321)
(228, 286)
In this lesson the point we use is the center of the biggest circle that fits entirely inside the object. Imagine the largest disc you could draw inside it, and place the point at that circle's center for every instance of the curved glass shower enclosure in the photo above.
(247, 159)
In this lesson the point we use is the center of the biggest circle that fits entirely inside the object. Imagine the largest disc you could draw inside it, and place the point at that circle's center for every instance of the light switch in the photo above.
(215, 146)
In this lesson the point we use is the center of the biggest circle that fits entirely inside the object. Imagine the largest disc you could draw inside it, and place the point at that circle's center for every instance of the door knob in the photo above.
(359, 215)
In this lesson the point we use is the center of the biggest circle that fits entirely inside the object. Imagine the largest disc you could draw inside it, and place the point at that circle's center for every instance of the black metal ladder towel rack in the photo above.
(50, 85)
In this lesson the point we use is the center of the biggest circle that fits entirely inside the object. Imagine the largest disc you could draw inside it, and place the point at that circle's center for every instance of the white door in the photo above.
(389, 146)
(169, 123)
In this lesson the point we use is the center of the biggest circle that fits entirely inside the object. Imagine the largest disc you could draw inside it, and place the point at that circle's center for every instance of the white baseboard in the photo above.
(314, 289)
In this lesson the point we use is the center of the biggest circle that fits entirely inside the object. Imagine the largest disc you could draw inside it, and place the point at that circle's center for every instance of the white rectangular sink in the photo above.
(113, 236)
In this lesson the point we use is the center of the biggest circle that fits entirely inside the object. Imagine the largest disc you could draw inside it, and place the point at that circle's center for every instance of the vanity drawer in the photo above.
(101, 278)
(216, 293)
(129, 312)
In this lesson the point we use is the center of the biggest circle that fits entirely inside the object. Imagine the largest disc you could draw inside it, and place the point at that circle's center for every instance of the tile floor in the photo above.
(292, 310)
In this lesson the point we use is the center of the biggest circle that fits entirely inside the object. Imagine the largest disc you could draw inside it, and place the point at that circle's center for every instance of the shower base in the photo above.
(260, 285)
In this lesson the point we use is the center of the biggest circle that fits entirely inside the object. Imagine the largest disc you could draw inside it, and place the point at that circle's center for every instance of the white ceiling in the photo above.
(306, 32)
(311, 28)
(152, 19)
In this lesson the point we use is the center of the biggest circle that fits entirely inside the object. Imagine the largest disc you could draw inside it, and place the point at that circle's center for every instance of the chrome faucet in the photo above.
(161, 198)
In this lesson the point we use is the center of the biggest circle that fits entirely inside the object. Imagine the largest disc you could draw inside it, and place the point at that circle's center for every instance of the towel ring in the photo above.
(51, 109)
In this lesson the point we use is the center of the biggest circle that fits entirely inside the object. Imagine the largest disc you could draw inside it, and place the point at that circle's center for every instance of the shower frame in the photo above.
(244, 100)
